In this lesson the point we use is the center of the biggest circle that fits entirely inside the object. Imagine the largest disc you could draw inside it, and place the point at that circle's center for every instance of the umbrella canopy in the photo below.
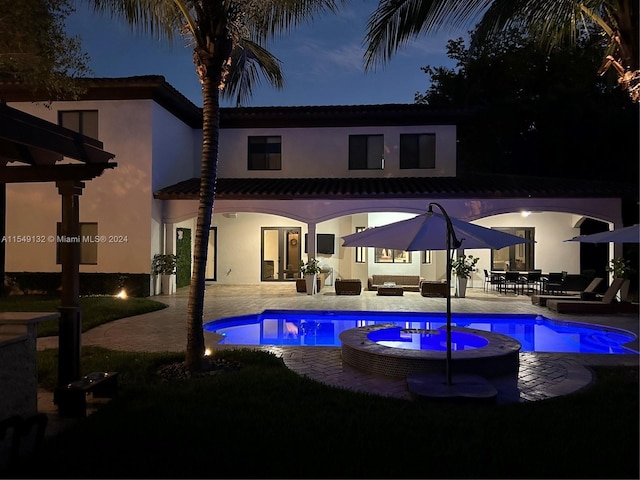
(434, 231)
(429, 232)
(620, 235)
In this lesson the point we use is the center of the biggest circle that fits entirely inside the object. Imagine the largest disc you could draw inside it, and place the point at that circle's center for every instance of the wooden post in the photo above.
(3, 230)
(70, 313)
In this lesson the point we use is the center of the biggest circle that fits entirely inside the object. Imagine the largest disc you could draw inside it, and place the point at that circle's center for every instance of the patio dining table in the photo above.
(520, 278)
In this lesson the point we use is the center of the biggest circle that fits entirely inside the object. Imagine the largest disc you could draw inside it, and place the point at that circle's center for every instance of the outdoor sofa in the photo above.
(409, 283)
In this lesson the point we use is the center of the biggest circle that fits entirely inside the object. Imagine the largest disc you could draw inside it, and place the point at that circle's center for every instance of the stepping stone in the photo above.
(464, 387)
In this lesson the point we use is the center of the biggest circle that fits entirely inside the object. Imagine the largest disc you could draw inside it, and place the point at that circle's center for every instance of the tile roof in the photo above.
(157, 88)
(340, 116)
(477, 186)
(153, 87)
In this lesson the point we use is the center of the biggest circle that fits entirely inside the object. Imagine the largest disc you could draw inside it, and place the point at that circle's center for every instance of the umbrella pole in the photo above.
(448, 361)
(451, 236)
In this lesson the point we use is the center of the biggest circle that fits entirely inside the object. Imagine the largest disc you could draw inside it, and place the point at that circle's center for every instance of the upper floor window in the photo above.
(88, 240)
(265, 153)
(418, 150)
(81, 121)
(366, 152)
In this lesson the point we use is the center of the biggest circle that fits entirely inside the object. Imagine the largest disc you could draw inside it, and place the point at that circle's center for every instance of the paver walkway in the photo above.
(541, 375)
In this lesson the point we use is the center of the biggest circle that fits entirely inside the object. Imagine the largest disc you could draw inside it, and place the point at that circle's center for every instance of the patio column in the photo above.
(311, 240)
(616, 248)
(170, 248)
(70, 313)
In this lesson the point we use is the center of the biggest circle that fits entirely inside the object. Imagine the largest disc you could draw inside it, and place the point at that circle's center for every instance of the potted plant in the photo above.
(309, 271)
(621, 268)
(163, 266)
(462, 267)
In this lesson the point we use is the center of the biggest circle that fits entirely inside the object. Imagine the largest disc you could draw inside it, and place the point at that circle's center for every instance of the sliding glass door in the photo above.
(280, 254)
(516, 257)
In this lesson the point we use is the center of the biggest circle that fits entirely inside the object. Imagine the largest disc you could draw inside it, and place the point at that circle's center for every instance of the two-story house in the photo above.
(291, 180)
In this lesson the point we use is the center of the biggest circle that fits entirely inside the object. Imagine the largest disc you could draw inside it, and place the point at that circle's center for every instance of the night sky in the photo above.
(322, 62)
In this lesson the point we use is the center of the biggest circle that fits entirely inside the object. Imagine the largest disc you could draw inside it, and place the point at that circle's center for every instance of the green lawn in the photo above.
(96, 310)
(264, 421)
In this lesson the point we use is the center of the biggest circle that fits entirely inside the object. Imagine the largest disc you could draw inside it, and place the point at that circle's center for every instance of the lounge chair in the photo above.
(542, 299)
(605, 305)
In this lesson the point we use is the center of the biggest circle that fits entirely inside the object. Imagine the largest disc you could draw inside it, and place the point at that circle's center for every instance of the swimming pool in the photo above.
(322, 328)
(413, 339)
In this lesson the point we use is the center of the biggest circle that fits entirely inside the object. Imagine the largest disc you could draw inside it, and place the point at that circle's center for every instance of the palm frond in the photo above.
(249, 63)
(395, 22)
(160, 18)
(269, 18)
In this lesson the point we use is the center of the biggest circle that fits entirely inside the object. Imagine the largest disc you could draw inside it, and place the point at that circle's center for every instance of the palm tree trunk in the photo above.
(208, 174)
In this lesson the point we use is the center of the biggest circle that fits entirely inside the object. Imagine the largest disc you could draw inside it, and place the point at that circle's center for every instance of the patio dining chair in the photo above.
(491, 280)
(554, 282)
(532, 280)
(513, 280)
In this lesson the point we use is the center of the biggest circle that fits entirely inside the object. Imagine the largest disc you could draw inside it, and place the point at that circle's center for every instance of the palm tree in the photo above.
(226, 37)
(552, 22)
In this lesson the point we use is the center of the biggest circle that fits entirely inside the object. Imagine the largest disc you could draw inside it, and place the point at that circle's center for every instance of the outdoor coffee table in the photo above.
(390, 290)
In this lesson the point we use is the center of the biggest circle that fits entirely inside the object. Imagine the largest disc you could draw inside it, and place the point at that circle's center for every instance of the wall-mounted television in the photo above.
(325, 243)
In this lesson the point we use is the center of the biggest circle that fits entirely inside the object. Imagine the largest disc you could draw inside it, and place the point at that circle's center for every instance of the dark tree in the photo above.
(537, 113)
(552, 23)
(35, 50)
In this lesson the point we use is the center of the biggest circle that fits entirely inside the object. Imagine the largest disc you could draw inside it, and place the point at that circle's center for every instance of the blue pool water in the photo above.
(322, 328)
(398, 337)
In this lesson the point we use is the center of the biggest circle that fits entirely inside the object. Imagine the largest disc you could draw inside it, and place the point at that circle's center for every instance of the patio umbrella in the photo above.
(620, 235)
(434, 231)
(429, 232)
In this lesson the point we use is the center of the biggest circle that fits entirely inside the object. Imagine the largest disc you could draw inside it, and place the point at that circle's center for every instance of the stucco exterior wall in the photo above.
(324, 152)
(173, 148)
(119, 200)
(239, 243)
(174, 154)
(155, 149)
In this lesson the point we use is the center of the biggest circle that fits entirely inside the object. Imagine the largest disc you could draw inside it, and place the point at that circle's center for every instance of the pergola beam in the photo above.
(36, 134)
(53, 173)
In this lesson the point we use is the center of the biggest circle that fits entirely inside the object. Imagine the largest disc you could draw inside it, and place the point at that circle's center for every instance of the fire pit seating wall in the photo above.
(409, 283)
